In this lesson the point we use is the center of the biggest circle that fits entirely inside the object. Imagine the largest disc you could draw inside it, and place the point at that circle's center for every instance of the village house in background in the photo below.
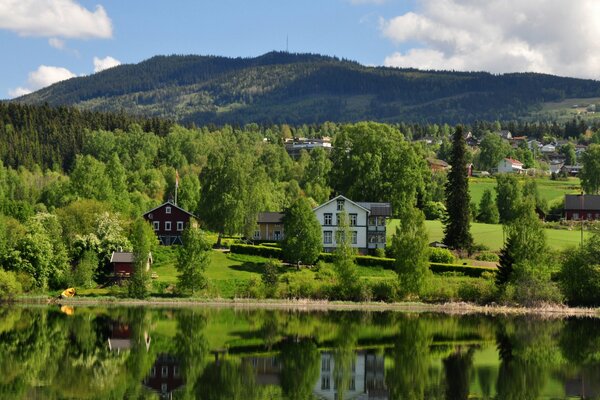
(436, 165)
(509, 165)
(582, 207)
(270, 227)
(296, 145)
(168, 221)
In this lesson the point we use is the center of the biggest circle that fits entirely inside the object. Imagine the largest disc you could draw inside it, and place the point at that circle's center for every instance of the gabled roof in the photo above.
(341, 197)
(590, 202)
(268, 217)
(125, 257)
(169, 203)
(513, 161)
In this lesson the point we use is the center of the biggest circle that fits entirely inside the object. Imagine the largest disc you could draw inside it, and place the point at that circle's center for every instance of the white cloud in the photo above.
(43, 76)
(101, 64)
(57, 43)
(549, 36)
(56, 18)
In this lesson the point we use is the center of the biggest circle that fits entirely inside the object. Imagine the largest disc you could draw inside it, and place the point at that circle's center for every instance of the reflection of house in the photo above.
(165, 376)
(509, 165)
(168, 221)
(365, 378)
(266, 369)
(578, 207)
(122, 263)
(270, 226)
(583, 387)
(296, 145)
(120, 338)
(367, 223)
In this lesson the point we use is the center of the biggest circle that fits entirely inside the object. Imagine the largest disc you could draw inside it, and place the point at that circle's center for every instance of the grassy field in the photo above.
(549, 190)
(491, 235)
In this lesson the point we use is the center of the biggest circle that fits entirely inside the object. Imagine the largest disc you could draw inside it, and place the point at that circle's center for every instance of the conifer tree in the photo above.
(488, 211)
(457, 223)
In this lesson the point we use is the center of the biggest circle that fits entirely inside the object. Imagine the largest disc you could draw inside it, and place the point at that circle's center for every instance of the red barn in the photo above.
(168, 221)
(578, 207)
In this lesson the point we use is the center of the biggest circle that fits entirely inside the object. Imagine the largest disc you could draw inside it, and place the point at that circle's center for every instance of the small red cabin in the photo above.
(168, 221)
(122, 263)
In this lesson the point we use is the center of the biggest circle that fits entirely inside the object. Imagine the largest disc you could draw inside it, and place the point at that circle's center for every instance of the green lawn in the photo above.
(491, 235)
(550, 190)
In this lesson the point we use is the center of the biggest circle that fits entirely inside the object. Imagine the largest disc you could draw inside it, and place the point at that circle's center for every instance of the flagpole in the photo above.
(176, 184)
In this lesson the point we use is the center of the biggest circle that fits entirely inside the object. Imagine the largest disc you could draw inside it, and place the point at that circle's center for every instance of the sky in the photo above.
(45, 41)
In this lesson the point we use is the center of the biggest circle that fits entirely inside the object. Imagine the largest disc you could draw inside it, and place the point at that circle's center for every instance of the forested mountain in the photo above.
(281, 87)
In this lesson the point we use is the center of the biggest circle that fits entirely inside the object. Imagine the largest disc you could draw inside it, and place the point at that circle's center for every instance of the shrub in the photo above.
(479, 290)
(490, 257)
(264, 251)
(324, 272)
(531, 287)
(444, 256)
(270, 273)
(466, 270)
(385, 290)
(9, 285)
(579, 277)
(434, 210)
(380, 253)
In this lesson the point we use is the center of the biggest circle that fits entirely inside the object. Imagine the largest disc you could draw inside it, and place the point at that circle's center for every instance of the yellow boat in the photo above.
(67, 293)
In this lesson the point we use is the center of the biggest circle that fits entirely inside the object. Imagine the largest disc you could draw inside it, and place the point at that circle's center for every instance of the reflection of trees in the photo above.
(344, 356)
(408, 378)
(527, 351)
(580, 346)
(191, 347)
(457, 367)
(228, 380)
(300, 369)
(485, 376)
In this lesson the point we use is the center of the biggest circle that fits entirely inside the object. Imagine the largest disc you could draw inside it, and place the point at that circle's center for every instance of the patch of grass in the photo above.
(550, 190)
(491, 235)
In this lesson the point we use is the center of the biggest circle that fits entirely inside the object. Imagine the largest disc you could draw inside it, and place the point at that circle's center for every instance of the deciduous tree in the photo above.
(192, 259)
(302, 242)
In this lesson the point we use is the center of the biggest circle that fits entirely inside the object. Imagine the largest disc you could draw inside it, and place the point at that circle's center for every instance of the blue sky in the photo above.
(48, 40)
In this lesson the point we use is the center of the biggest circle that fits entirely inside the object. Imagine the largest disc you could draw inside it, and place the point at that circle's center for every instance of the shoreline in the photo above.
(453, 308)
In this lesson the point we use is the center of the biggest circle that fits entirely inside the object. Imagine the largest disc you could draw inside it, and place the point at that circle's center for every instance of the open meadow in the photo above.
(551, 191)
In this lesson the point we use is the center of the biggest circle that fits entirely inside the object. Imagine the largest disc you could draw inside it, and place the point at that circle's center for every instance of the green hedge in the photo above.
(264, 251)
(366, 261)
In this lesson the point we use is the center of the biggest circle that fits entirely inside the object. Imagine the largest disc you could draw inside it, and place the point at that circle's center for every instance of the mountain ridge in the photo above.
(281, 87)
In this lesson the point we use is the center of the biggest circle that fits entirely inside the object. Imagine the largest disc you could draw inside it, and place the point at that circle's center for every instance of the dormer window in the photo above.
(340, 204)
(168, 210)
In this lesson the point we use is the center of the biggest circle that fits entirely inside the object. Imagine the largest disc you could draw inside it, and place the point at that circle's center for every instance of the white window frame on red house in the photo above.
(167, 225)
(179, 226)
(168, 210)
(156, 225)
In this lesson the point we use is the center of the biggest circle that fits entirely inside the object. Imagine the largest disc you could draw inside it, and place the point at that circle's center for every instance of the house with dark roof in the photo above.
(165, 376)
(582, 207)
(168, 221)
(269, 227)
(436, 165)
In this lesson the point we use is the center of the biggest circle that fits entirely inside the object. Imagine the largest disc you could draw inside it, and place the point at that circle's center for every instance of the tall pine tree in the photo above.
(457, 223)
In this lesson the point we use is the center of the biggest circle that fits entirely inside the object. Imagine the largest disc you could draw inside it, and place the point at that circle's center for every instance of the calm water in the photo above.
(141, 353)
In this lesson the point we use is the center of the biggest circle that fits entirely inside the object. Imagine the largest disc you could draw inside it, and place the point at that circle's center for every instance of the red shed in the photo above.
(122, 263)
(168, 221)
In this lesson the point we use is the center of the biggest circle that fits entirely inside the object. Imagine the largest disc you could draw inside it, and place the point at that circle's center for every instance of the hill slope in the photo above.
(305, 88)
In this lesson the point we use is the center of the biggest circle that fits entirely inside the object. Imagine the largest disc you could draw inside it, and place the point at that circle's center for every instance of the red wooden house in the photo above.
(165, 376)
(168, 221)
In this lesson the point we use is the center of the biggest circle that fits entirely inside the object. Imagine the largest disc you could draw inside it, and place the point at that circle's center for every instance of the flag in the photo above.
(176, 178)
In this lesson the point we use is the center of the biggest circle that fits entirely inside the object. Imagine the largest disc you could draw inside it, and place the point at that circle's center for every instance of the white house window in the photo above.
(327, 237)
(164, 371)
(354, 237)
(176, 371)
(381, 221)
(153, 372)
(164, 387)
(372, 221)
(167, 225)
(277, 235)
(340, 205)
(327, 219)
(325, 382)
(168, 209)
(256, 234)
(156, 225)
(575, 215)
(179, 225)
(353, 218)
(326, 363)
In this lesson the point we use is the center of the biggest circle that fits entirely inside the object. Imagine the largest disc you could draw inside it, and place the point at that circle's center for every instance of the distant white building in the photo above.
(548, 148)
(509, 165)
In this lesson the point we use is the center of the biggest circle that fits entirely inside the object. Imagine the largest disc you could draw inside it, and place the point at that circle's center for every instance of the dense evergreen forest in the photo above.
(280, 87)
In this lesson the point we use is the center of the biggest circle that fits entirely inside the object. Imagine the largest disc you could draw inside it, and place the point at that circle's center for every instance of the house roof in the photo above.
(590, 202)
(125, 257)
(435, 161)
(270, 217)
(377, 209)
(169, 203)
(513, 161)
(341, 197)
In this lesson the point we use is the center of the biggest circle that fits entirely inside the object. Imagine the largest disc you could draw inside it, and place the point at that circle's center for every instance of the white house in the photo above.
(509, 165)
(548, 148)
(367, 223)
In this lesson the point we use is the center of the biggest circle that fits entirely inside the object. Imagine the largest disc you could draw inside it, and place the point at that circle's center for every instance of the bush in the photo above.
(379, 252)
(434, 210)
(264, 251)
(444, 256)
(385, 290)
(466, 270)
(9, 286)
(579, 277)
(490, 257)
(480, 290)
(324, 272)
(533, 291)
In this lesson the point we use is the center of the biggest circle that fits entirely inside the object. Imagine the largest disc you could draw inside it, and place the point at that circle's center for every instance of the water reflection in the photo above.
(140, 353)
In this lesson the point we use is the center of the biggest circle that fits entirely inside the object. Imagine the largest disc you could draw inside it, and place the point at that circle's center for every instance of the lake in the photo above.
(64, 352)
